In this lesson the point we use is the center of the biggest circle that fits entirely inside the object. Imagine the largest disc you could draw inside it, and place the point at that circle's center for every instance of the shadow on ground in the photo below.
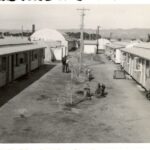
(9, 91)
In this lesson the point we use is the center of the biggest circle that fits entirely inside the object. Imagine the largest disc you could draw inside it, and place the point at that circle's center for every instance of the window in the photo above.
(137, 63)
(22, 58)
(21, 61)
(35, 56)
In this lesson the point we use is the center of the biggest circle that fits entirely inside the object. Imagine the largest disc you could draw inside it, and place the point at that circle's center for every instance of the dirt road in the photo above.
(9, 91)
(36, 114)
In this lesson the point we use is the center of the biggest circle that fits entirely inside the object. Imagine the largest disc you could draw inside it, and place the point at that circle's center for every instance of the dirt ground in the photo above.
(38, 115)
(9, 91)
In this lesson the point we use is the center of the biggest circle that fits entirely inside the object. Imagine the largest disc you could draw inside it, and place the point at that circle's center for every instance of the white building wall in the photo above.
(147, 80)
(144, 72)
(102, 43)
(48, 54)
(89, 49)
(118, 56)
(59, 52)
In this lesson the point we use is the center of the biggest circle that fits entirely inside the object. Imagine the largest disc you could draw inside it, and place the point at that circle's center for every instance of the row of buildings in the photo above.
(19, 56)
(57, 44)
(134, 57)
(95, 46)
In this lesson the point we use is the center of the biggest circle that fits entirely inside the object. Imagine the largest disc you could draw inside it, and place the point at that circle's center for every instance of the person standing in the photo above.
(67, 64)
(103, 89)
(87, 92)
(63, 64)
(98, 91)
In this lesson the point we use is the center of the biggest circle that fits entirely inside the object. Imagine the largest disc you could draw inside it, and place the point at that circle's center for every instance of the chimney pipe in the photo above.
(33, 28)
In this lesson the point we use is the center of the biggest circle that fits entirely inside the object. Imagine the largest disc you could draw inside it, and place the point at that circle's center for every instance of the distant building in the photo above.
(90, 46)
(13, 41)
(56, 45)
(134, 57)
(113, 50)
(102, 44)
(18, 59)
(73, 43)
(136, 62)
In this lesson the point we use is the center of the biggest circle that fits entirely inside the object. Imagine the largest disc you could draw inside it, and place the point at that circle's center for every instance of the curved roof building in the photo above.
(56, 45)
(49, 35)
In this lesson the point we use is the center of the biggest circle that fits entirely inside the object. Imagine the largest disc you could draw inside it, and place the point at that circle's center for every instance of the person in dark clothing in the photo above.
(64, 64)
(89, 74)
(67, 64)
(103, 89)
(87, 92)
(98, 91)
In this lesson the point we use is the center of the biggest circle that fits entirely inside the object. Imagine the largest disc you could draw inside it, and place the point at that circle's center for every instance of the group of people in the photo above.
(65, 64)
(100, 90)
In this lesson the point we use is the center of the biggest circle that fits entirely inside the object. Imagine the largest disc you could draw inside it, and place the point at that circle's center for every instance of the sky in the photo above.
(66, 16)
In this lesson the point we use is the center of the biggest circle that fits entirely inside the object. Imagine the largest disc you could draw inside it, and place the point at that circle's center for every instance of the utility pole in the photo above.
(97, 37)
(82, 32)
(22, 31)
(110, 35)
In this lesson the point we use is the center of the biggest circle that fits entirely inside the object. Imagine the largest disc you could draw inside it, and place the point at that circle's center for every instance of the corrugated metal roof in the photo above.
(121, 43)
(114, 46)
(143, 45)
(118, 45)
(13, 41)
(138, 51)
(15, 49)
(90, 42)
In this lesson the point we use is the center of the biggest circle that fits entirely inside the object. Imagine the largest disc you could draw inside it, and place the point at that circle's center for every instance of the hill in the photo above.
(135, 33)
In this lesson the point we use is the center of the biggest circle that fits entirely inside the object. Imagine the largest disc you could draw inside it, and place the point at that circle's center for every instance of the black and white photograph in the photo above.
(74, 73)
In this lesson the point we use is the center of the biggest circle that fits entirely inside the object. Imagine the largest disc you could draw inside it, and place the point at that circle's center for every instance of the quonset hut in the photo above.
(56, 45)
